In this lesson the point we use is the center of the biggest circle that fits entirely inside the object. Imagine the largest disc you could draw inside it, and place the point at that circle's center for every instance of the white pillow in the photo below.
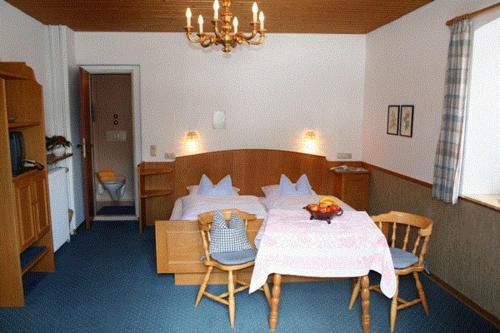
(274, 190)
(206, 187)
(270, 190)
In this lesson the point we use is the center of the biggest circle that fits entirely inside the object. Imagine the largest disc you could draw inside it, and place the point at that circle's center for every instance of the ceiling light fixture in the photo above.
(226, 30)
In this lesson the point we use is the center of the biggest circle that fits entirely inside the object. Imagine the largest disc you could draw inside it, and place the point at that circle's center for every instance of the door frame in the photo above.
(135, 73)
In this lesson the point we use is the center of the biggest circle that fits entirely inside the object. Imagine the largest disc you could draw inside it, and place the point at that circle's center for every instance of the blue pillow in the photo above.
(223, 188)
(228, 238)
(301, 188)
(286, 186)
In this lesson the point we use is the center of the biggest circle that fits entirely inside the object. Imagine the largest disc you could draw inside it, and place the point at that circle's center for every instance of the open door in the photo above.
(86, 147)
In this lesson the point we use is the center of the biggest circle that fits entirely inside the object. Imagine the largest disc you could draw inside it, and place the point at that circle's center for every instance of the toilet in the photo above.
(113, 183)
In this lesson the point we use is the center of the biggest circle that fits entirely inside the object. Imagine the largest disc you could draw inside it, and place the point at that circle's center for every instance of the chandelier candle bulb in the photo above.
(216, 10)
(261, 19)
(235, 24)
(188, 16)
(200, 22)
(255, 10)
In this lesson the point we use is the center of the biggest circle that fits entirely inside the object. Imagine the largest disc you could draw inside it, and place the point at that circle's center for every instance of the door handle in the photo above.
(84, 148)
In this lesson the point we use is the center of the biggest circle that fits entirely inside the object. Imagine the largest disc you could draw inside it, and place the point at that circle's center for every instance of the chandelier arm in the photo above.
(207, 41)
(246, 38)
(258, 41)
(252, 34)
(192, 39)
(218, 34)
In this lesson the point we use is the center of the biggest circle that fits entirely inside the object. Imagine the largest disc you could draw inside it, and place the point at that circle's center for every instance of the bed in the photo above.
(178, 243)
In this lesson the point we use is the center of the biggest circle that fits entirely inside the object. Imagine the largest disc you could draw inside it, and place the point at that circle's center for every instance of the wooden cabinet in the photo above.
(31, 207)
(41, 204)
(25, 214)
(26, 236)
(352, 187)
(156, 185)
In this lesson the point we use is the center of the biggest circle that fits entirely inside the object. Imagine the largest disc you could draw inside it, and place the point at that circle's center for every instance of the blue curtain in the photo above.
(449, 152)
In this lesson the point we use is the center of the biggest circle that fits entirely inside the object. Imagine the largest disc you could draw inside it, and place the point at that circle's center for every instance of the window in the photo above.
(481, 166)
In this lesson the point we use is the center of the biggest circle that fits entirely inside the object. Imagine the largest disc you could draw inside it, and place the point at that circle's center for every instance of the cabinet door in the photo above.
(42, 221)
(25, 214)
(355, 190)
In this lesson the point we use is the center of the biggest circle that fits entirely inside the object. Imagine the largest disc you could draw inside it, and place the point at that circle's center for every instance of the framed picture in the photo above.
(393, 119)
(406, 122)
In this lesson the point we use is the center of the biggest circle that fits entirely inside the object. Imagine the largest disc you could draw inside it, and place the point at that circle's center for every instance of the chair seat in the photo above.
(402, 259)
(235, 257)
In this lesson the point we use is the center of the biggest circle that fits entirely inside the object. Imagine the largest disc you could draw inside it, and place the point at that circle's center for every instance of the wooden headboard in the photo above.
(250, 169)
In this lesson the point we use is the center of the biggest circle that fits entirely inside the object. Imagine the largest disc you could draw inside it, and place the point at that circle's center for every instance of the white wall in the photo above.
(22, 38)
(270, 94)
(63, 113)
(74, 129)
(481, 174)
(406, 64)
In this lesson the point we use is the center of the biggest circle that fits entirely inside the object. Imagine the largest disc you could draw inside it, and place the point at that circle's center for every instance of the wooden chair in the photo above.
(230, 266)
(419, 229)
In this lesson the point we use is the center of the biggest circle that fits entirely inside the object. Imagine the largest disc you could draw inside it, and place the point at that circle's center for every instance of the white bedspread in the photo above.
(190, 206)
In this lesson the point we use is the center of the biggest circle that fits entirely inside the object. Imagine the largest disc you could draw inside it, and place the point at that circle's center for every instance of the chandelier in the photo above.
(226, 31)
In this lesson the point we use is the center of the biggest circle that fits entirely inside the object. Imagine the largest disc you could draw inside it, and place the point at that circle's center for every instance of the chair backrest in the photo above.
(205, 224)
(421, 224)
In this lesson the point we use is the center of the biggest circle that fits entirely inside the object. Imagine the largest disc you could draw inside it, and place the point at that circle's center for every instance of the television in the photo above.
(16, 152)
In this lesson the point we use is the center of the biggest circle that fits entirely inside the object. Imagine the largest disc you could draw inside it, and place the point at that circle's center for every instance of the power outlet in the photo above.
(170, 156)
(152, 150)
(344, 156)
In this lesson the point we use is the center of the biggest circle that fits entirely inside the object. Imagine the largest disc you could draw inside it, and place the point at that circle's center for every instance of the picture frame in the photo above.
(406, 120)
(393, 119)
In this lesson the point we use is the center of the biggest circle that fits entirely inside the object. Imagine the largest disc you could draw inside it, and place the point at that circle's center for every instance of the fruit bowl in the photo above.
(323, 213)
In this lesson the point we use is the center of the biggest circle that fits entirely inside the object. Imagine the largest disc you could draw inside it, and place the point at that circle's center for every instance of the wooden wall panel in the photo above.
(250, 169)
(463, 250)
(284, 16)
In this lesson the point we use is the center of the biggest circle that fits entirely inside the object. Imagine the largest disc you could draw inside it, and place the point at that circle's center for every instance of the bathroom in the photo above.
(113, 150)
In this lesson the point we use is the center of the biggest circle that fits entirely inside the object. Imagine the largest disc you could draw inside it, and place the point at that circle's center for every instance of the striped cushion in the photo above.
(228, 238)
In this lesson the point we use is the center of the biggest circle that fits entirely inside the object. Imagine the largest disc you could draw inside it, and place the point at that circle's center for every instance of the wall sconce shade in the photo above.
(192, 141)
(310, 142)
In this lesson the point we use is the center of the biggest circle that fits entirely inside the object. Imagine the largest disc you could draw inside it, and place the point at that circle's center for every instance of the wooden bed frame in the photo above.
(178, 243)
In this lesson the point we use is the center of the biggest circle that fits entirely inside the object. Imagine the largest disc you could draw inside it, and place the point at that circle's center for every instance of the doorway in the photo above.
(111, 124)
(112, 143)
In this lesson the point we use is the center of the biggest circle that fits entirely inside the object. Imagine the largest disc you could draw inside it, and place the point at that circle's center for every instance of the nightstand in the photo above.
(352, 186)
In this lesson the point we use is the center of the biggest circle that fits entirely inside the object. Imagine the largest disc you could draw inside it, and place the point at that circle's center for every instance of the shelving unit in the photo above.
(23, 124)
(52, 159)
(156, 185)
(26, 237)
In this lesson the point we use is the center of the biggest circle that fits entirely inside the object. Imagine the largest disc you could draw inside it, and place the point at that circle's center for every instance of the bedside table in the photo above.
(352, 186)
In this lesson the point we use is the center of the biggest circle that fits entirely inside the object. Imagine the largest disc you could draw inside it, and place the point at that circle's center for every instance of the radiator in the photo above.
(58, 191)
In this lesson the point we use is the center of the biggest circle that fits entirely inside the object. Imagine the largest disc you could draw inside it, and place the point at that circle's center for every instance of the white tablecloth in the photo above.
(350, 246)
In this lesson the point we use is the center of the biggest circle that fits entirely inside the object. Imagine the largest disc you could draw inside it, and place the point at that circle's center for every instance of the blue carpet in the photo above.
(106, 281)
(117, 210)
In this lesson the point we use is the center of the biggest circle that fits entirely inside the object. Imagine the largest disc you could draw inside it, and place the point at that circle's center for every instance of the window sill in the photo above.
(488, 200)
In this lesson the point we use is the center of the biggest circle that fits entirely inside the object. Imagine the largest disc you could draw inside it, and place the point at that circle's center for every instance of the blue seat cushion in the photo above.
(234, 257)
(402, 259)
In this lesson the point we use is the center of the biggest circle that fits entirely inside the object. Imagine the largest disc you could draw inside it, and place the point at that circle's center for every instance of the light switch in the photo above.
(170, 157)
(344, 156)
(152, 150)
